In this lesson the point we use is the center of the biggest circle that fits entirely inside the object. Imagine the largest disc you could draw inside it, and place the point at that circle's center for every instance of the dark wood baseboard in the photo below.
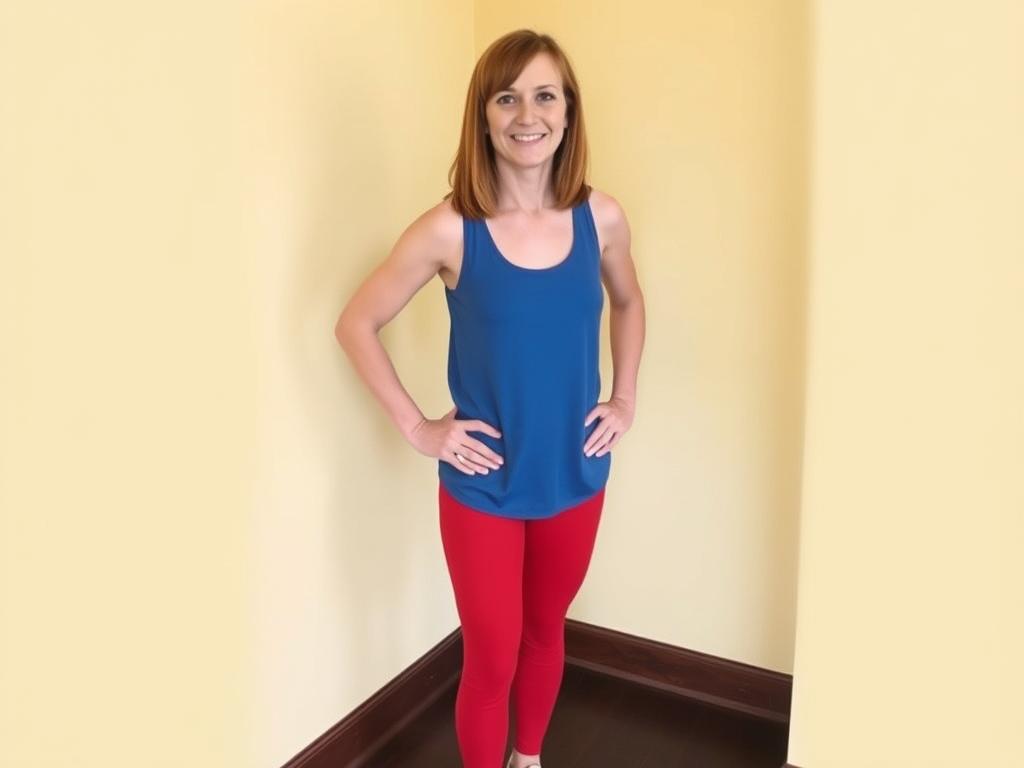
(351, 742)
(711, 680)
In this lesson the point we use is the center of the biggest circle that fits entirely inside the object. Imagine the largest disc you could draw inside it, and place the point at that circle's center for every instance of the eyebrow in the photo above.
(513, 90)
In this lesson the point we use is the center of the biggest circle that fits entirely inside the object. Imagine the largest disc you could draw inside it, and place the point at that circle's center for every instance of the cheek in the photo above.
(493, 121)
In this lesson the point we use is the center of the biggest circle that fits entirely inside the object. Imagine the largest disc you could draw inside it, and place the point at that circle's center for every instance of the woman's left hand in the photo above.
(616, 417)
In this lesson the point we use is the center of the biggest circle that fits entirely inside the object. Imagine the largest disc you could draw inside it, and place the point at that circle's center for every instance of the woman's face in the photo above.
(534, 104)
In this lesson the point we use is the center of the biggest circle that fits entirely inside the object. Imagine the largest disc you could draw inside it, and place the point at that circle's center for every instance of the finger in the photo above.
(611, 444)
(483, 451)
(470, 458)
(596, 437)
(483, 426)
(598, 410)
(459, 464)
(601, 446)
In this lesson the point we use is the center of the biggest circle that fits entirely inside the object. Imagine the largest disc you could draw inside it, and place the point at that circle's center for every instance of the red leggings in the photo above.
(514, 581)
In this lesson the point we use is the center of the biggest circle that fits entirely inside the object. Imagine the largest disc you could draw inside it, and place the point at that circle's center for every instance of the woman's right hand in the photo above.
(447, 439)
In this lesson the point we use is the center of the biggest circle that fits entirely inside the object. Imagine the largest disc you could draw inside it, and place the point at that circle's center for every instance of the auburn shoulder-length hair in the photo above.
(473, 175)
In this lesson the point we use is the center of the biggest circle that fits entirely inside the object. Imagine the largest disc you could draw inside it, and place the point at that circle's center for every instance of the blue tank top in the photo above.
(523, 357)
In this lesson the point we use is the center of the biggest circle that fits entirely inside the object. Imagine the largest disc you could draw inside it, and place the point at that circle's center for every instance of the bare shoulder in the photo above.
(609, 217)
(440, 228)
(445, 223)
(446, 219)
(428, 246)
(434, 239)
(618, 273)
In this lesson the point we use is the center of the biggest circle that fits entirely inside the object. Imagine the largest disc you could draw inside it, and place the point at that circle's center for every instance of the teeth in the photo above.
(526, 138)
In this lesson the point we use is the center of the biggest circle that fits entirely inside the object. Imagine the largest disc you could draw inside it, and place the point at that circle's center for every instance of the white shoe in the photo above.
(531, 765)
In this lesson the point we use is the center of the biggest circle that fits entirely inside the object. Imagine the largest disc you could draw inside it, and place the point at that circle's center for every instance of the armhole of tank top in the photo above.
(592, 226)
(467, 234)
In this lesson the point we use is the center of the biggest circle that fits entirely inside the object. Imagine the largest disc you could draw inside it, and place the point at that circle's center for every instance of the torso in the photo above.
(534, 243)
(524, 353)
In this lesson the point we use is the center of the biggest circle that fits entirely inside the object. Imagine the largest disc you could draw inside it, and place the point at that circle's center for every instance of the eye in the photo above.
(550, 97)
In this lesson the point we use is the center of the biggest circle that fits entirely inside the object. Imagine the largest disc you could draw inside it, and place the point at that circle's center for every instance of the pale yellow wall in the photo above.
(696, 117)
(128, 399)
(359, 107)
(212, 545)
(909, 634)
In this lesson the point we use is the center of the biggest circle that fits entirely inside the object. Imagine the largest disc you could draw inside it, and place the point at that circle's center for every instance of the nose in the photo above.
(524, 113)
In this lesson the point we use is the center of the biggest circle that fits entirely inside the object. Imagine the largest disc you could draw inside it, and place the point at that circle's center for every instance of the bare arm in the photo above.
(414, 260)
(627, 321)
(627, 328)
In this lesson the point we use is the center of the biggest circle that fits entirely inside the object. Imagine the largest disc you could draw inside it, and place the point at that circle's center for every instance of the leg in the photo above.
(484, 554)
(556, 559)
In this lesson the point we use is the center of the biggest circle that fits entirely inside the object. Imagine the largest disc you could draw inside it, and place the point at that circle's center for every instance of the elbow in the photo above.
(340, 333)
(631, 301)
(349, 326)
(343, 329)
(343, 333)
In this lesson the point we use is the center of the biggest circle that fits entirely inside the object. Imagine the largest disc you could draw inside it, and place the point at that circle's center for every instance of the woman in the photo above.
(524, 456)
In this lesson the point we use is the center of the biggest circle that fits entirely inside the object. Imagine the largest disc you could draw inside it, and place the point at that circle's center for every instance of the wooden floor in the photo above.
(602, 723)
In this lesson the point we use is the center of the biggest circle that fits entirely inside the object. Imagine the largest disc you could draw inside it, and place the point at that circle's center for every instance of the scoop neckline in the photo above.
(565, 260)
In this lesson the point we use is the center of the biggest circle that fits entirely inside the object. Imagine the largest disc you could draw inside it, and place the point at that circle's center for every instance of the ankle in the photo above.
(519, 760)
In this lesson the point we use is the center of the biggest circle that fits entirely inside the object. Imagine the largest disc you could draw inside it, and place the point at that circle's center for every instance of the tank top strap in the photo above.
(588, 230)
(470, 246)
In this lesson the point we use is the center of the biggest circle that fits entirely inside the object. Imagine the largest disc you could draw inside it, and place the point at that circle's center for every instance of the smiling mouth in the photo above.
(528, 138)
